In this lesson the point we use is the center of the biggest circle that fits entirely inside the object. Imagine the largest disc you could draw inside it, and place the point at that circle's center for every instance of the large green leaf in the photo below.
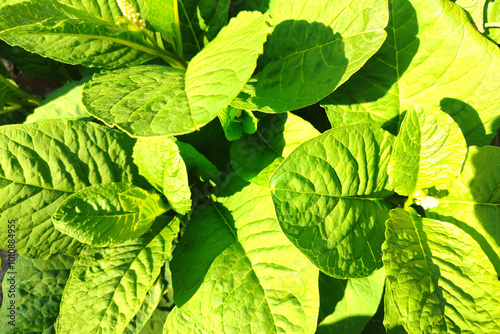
(108, 285)
(32, 290)
(328, 195)
(428, 152)
(473, 200)
(108, 214)
(75, 32)
(441, 280)
(432, 57)
(347, 305)
(65, 102)
(158, 100)
(43, 163)
(160, 162)
(234, 271)
(314, 47)
(254, 158)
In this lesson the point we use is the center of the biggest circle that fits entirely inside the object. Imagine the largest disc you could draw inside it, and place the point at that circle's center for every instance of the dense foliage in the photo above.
(185, 179)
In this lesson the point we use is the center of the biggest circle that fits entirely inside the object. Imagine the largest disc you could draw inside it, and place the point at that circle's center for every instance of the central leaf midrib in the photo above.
(136, 46)
(329, 195)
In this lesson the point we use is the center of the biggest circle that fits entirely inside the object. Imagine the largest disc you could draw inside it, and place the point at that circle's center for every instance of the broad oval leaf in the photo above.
(43, 163)
(329, 199)
(254, 158)
(32, 291)
(108, 214)
(108, 285)
(441, 280)
(234, 271)
(429, 151)
(472, 201)
(315, 46)
(159, 100)
(160, 162)
(75, 32)
(432, 57)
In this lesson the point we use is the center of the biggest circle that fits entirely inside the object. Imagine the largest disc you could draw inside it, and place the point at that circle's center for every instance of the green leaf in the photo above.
(431, 58)
(164, 17)
(329, 199)
(65, 102)
(314, 47)
(158, 100)
(473, 200)
(428, 152)
(200, 22)
(254, 158)
(34, 288)
(153, 297)
(156, 322)
(392, 319)
(108, 285)
(235, 122)
(75, 32)
(108, 214)
(441, 280)
(36, 65)
(235, 271)
(160, 162)
(347, 305)
(43, 163)
(197, 163)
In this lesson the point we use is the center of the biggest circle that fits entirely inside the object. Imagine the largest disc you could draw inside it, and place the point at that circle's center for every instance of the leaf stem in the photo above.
(480, 16)
(169, 57)
(21, 93)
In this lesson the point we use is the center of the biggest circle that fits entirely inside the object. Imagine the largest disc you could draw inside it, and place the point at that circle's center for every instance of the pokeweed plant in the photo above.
(211, 208)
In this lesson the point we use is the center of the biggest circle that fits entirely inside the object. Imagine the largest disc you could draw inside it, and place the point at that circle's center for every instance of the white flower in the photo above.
(129, 12)
(427, 203)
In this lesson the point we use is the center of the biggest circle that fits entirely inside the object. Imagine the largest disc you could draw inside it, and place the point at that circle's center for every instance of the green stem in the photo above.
(169, 57)
(178, 41)
(492, 25)
(21, 93)
(9, 109)
(32, 102)
(480, 16)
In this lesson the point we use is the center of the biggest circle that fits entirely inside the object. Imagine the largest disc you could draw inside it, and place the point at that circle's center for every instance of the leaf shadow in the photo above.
(478, 237)
(245, 5)
(302, 51)
(374, 81)
(209, 233)
(331, 292)
(257, 147)
(467, 119)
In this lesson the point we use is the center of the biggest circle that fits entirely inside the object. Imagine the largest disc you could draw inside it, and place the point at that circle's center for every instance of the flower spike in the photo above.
(130, 13)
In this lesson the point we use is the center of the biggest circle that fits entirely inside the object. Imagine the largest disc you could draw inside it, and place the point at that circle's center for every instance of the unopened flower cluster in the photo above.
(130, 13)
